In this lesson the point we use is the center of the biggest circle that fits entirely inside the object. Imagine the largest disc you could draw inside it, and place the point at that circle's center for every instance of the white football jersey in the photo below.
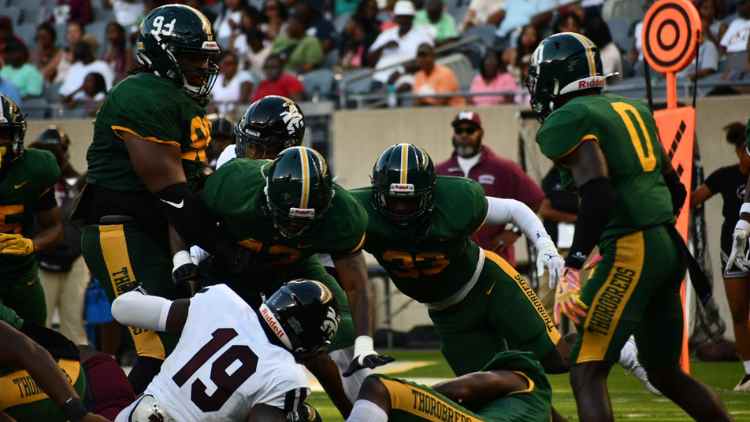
(224, 364)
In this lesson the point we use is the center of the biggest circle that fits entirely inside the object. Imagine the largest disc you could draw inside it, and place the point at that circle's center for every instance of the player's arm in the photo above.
(477, 388)
(700, 195)
(19, 351)
(137, 309)
(738, 256)
(159, 166)
(49, 233)
(672, 179)
(352, 274)
(501, 211)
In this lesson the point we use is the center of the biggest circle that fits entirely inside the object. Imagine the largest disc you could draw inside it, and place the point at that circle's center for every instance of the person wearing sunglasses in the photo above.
(500, 177)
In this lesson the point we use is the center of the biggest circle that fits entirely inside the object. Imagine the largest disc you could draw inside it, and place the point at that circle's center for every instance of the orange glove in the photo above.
(15, 244)
(567, 298)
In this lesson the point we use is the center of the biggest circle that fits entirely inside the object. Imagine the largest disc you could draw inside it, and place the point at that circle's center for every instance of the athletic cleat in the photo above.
(744, 384)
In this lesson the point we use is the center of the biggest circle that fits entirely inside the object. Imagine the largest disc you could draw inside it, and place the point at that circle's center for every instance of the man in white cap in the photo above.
(399, 44)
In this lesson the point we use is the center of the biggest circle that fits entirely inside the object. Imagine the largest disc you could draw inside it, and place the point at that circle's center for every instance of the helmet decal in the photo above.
(292, 117)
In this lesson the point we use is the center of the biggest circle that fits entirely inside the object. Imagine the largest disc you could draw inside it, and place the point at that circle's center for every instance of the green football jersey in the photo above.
(155, 109)
(28, 178)
(235, 193)
(430, 266)
(627, 134)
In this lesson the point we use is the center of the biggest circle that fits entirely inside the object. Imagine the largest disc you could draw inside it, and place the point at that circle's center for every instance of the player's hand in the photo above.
(365, 356)
(15, 244)
(739, 246)
(185, 272)
(567, 297)
(550, 259)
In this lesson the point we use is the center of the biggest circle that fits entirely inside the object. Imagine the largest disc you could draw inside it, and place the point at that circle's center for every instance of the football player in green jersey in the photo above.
(609, 146)
(419, 230)
(26, 180)
(285, 212)
(512, 387)
(146, 160)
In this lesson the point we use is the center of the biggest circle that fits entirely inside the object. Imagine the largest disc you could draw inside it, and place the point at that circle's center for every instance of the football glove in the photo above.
(185, 272)
(549, 258)
(365, 356)
(15, 244)
(567, 297)
(739, 246)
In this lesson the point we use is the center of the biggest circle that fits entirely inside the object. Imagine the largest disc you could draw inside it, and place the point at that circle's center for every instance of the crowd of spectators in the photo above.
(80, 48)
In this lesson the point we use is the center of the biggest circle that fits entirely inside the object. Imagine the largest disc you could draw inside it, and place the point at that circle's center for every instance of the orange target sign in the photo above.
(671, 33)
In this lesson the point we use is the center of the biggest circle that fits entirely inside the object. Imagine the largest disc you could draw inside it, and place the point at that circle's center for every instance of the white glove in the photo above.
(549, 258)
(739, 246)
(365, 356)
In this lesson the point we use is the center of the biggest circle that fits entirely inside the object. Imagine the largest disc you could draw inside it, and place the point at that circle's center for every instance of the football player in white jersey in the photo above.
(231, 362)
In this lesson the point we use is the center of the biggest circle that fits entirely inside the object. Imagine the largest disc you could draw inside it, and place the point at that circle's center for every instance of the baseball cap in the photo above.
(467, 116)
(403, 8)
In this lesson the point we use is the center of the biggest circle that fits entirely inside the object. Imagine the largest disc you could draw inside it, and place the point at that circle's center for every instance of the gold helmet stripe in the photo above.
(404, 164)
(305, 164)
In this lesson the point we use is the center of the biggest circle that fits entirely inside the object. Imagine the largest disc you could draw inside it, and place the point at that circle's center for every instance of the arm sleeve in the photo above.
(597, 200)
(501, 211)
(139, 310)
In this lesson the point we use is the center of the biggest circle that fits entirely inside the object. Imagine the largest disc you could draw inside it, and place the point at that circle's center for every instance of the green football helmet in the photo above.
(299, 190)
(563, 63)
(169, 34)
(12, 132)
(403, 180)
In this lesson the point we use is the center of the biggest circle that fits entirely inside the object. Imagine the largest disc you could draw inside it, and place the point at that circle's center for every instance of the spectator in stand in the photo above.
(730, 183)
(736, 37)
(250, 20)
(353, 46)
(6, 34)
(232, 86)
(275, 18)
(597, 31)
(229, 19)
(73, 10)
(317, 25)
(62, 270)
(89, 97)
(520, 13)
(64, 59)
(222, 135)
(493, 76)
(500, 177)
(367, 16)
(278, 82)
(442, 23)
(433, 78)
(10, 90)
(709, 10)
(18, 71)
(569, 22)
(83, 64)
(127, 12)
(520, 56)
(259, 48)
(484, 12)
(44, 53)
(397, 45)
(302, 52)
(118, 55)
(708, 59)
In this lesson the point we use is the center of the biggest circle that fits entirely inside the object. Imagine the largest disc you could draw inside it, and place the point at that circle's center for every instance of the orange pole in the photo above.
(671, 90)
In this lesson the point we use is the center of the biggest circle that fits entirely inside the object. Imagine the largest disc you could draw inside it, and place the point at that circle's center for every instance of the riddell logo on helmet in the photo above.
(274, 325)
(589, 83)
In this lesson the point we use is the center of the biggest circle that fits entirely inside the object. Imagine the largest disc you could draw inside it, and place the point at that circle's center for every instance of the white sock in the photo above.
(746, 364)
(367, 411)
(629, 354)
(352, 383)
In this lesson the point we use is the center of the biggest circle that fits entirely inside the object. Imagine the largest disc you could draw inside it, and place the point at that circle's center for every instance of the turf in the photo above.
(630, 400)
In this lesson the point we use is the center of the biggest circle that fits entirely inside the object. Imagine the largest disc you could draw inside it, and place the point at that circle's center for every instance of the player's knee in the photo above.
(588, 374)
(373, 389)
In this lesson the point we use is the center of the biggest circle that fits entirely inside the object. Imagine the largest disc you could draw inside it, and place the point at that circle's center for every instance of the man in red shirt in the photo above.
(278, 82)
(500, 177)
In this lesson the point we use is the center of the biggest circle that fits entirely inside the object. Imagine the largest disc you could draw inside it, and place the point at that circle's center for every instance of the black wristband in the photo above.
(597, 200)
(575, 260)
(74, 410)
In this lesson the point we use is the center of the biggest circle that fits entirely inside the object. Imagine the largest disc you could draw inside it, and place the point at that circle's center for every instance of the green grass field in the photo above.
(630, 400)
